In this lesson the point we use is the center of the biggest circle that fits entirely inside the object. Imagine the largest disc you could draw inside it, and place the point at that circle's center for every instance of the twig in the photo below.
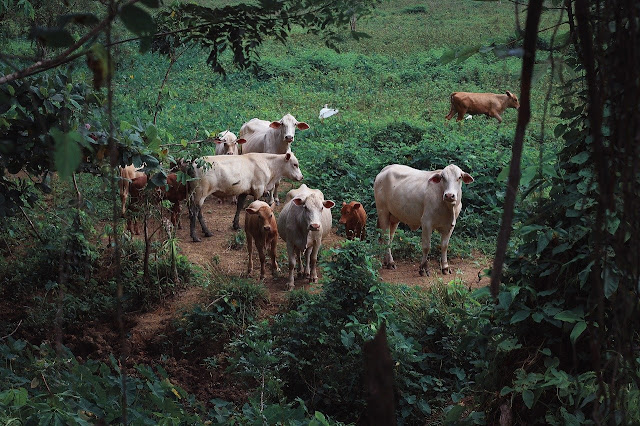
(11, 334)
(214, 302)
(32, 225)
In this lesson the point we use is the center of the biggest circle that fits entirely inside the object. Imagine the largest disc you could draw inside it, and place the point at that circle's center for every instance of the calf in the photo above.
(354, 219)
(489, 104)
(239, 175)
(136, 189)
(260, 226)
(127, 174)
(427, 199)
(303, 222)
(273, 137)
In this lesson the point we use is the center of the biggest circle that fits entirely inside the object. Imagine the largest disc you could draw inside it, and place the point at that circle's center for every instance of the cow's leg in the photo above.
(291, 253)
(260, 248)
(299, 254)
(452, 112)
(443, 248)
(274, 261)
(313, 260)
(195, 211)
(426, 248)
(239, 206)
(460, 115)
(274, 195)
(497, 117)
(250, 253)
(385, 223)
(308, 253)
(205, 230)
(175, 215)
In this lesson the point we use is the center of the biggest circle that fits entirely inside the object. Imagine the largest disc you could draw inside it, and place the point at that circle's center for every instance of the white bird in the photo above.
(468, 117)
(327, 112)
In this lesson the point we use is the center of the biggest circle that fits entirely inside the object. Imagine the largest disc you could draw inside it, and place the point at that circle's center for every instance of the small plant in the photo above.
(237, 240)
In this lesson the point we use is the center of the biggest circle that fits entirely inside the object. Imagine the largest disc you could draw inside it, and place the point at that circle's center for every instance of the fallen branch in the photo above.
(10, 334)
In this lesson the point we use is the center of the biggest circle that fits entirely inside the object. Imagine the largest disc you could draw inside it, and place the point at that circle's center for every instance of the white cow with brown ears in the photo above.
(274, 137)
(427, 199)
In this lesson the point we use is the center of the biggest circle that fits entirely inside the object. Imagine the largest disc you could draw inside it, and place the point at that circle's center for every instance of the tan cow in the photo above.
(304, 220)
(489, 104)
(273, 137)
(127, 174)
(354, 219)
(136, 188)
(260, 226)
(427, 199)
(237, 175)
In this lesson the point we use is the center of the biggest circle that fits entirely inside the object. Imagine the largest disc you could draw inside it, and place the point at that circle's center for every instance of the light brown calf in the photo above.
(260, 226)
(489, 104)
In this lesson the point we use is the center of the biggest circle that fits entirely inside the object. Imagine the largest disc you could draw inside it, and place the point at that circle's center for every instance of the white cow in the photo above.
(227, 143)
(304, 220)
(427, 199)
(237, 175)
(275, 137)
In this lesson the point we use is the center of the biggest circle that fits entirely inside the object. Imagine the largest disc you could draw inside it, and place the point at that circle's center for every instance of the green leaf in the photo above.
(577, 331)
(151, 3)
(544, 238)
(137, 20)
(53, 37)
(454, 414)
(580, 158)
(569, 316)
(527, 397)
(67, 154)
(520, 316)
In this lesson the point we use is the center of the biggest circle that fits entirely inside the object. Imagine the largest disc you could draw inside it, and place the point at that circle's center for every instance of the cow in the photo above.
(304, 220)
(273, 137)
(227, 143)
(136, 188)
(354, 219)
(489, 104)
(427, 199)
(127, 174)
(239, 175)
(260, 226)
(175, 192)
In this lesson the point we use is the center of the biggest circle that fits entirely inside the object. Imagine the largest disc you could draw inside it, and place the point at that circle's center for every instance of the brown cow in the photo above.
(260, 225)
(174, 192)
(354, 219)
(136, 187)
(489, 104)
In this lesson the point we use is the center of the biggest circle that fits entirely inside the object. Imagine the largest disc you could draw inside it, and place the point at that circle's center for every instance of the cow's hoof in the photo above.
(391, 265)
(236, 227)
(290, 287)
(424, 272)
(446, 270)
(196, 239)
(313, 280)
(208, 234)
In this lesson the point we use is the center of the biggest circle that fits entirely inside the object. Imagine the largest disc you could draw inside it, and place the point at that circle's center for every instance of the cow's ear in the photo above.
(509, 94)
(251, 210)
(241, 141)
(328, 204)
(275, 124)
(302, 126)
(344, 203)
(436, 178)
(357, 205)
(466, 178)
(298, 201)
(287, 156)
(218, 140)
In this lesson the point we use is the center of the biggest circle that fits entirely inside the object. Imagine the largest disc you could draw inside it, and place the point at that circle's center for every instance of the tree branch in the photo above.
(524, 114)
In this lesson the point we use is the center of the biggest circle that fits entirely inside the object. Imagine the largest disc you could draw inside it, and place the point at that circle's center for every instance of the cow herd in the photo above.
(254, 162)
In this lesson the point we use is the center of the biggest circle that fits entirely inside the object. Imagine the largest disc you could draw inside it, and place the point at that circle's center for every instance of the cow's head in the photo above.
(229, 143)
(291, 167)
(288, 125)
(451, 179)
(348, 211)
(512, 100)
(311, 206)
(264, 213)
